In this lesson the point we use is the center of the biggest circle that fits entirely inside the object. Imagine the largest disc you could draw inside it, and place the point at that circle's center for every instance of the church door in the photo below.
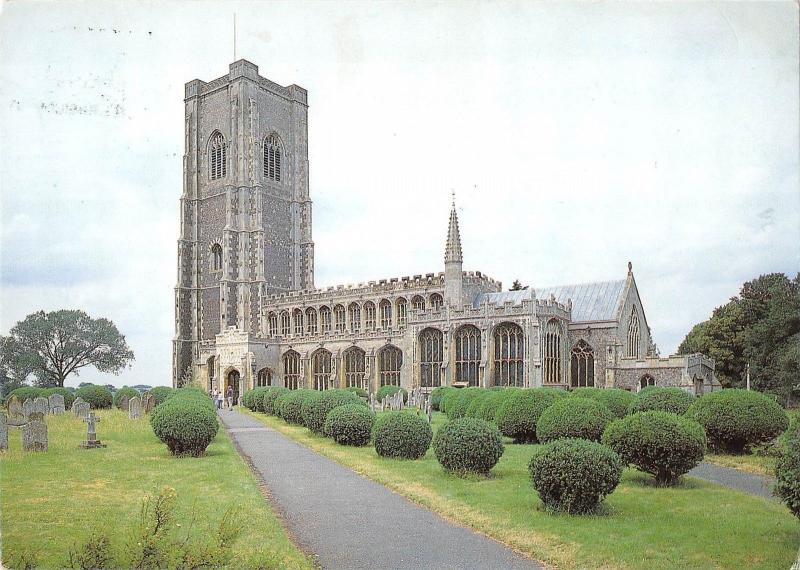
(233, 382)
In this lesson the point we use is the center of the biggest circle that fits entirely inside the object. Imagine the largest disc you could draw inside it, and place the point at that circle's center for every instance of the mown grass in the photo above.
(758, 464)
(52, 500)
(694, 525)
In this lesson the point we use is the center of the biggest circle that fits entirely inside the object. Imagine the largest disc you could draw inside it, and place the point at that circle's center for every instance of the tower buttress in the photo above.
(453, 263)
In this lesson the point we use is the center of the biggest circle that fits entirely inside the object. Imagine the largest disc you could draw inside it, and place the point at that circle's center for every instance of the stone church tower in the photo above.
(245, 209)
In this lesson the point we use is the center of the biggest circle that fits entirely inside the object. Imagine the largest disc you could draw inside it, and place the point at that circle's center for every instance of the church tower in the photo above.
(245, 209)
(453, 261)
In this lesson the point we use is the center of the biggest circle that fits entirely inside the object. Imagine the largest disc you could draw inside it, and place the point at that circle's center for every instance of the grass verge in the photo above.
(758, 464)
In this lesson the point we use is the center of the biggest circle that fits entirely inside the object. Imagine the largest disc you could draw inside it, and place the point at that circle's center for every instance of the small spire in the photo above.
(630, 267)
(452, 250)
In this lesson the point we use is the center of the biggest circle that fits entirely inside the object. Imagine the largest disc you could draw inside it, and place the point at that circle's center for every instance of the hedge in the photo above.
(125, 392)
(99, 397)
(391, 390)
(291, 404)
(254, 399)
(268, 401)
(517, 415)
(659, 443)
(315, 409)
(787, 472)
(161, 393)
(437, 394)
(360, 392)
(186, 422)
(574, 475)
(657, 398)
(458, 404)
(350, 424)
(736, 419)
(487, 407)
(617, 400)
(401, 435)
(25, 392)
(468, 445)
(573, 417)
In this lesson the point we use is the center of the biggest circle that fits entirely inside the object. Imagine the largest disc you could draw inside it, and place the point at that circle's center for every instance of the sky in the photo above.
(576, 137)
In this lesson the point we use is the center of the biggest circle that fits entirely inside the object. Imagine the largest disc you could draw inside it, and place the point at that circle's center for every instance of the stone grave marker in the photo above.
(56, 404)
(373, 402)
(135, 408)
(15, 415)
(77, 401)
(123, 403)
(3, 432)
(41, 405)
(91, 432)
(148, 403)
(34, 436)
(27, 408)
(81, 409)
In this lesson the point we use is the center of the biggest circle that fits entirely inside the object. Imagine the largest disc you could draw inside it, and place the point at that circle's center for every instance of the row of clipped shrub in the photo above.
(99, 397)
(186, 421)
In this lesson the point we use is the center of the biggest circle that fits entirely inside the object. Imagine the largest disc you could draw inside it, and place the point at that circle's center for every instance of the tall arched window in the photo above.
(286, 325)
(369, 316)
(272, 158)
(436, 301)
(390, 360)
(339, 318)
(430, 362)
(646, 381)
(216, 156)
(216, 257)
(298, 322)
(311, 320)
(468, 354)
(582, 365)
(509, 355)
(321, 369)
(386, 314)
(272, 320)
(355, 368)
(418, 303)
(634, 336)
(402, 309)
(551, 369)
(354, 316)
(264, 377)
(291, 369)
(325, 319)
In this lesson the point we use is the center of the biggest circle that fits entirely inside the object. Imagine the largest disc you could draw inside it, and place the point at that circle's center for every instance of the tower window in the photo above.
(272, 158)
(216, 257)
(217, 156)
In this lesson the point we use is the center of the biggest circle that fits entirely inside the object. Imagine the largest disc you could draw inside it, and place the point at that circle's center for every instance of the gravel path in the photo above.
(759, 485)
(350, 522)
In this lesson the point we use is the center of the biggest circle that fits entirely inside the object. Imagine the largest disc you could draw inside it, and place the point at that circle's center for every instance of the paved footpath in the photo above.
(759, 485)
(350, 522)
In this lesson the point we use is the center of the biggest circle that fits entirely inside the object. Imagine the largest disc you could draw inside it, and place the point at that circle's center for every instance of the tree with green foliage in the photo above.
(517, 286)
(51, 346)
(759, 327)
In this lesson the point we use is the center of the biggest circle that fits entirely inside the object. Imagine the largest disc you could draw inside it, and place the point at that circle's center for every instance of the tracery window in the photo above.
(634, 337)
(298, 322)
(216, 152)
(468, 354)
(386, 314)
(646, 381)
(325, 319)
(369, 316)
(272, 320)
(264, 377)
(286, 326)
(418, 303)
(311, 320)
(582, 365)
(431, 350)
(272, 158)
(436, 301)
(291, 369)
(216, 257)
(509, 355)
(402, 309)
(390, 360)
(354, 316)
(339, 319)
(321, 369)
(551, 369)
(355, 368)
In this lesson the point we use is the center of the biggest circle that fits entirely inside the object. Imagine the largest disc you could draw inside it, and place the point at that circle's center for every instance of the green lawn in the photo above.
(51, 500)
(758, 464)
(695, 525)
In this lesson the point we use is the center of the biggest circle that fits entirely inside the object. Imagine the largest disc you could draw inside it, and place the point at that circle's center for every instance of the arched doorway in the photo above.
(232, 380)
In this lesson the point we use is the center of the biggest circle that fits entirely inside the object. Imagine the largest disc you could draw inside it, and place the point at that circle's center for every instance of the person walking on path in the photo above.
(216, 399)
(229, 398)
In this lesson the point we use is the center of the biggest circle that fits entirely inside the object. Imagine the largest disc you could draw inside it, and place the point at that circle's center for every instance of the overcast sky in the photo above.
(577, 137)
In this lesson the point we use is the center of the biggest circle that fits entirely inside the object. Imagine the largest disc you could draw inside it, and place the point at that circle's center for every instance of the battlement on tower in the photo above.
(243, 69)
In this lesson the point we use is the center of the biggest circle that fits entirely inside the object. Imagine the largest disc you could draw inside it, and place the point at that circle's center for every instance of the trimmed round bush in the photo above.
(617, 400)
(787, 472)
(161, 393)
(488, 406)
(457, 406)
(661, 399)
(517, 415)
(468, 445)
(25, 392)
(292, 404)
(360, 392)
(580, 418)
(315, 410)
(574, 475)
(475, 403)
(736, 419)
(122, 393)
(278, 404)
(350, 424)
(254, 399)
(448, 398)
(390, 390)
(268, 401)
(99, 397)
(437, 394)
(659, 443)
(69, 395)
(186, 423)
(402, 435)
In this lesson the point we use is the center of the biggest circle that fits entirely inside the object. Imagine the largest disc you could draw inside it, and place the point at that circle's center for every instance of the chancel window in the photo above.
(339, 319)
(646, 381)
(354, 316)
(298, 322)
(272, 158)
(216, 257)
(321, 369)
(311, 320)
(355, 368)
(390, 360)
(369, 316)
(264, 377)
(509, 355)
(402, 309)
(418, 303)
(551, 363)
(272, 320)
(216, 151)
(431, 354)
(436, 301)
(468, 354)
(286, 325)
(634, 336)
(291, 370)
(582, 365)
(386, 314)
(325, 319)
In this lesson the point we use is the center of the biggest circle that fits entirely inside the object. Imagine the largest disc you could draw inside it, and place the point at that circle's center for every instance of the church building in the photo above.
(247, 313)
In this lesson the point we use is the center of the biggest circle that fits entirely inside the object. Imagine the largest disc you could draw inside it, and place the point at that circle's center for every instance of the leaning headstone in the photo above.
(41, 405)
(16, 417)
(34, 436)
(3, 433)
(27, 408)
(123, 403)
(135, 408)
(56, 404)
(76, 402)
(91, 432)
(148, 403)
(82, 409)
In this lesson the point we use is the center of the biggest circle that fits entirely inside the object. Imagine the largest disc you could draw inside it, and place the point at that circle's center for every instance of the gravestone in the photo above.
(135, 408)
(148, 403)
(373, 402)
(56, 404)
(15, 415)
(77, 401)
(81, 409)
(91, 432)
(36, 416)
(123, 403)
(41, 405)
(27, 408)
(34, 436)
(3, 433)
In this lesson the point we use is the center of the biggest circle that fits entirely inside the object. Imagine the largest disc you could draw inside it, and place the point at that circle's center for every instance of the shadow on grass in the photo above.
(645, 480)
